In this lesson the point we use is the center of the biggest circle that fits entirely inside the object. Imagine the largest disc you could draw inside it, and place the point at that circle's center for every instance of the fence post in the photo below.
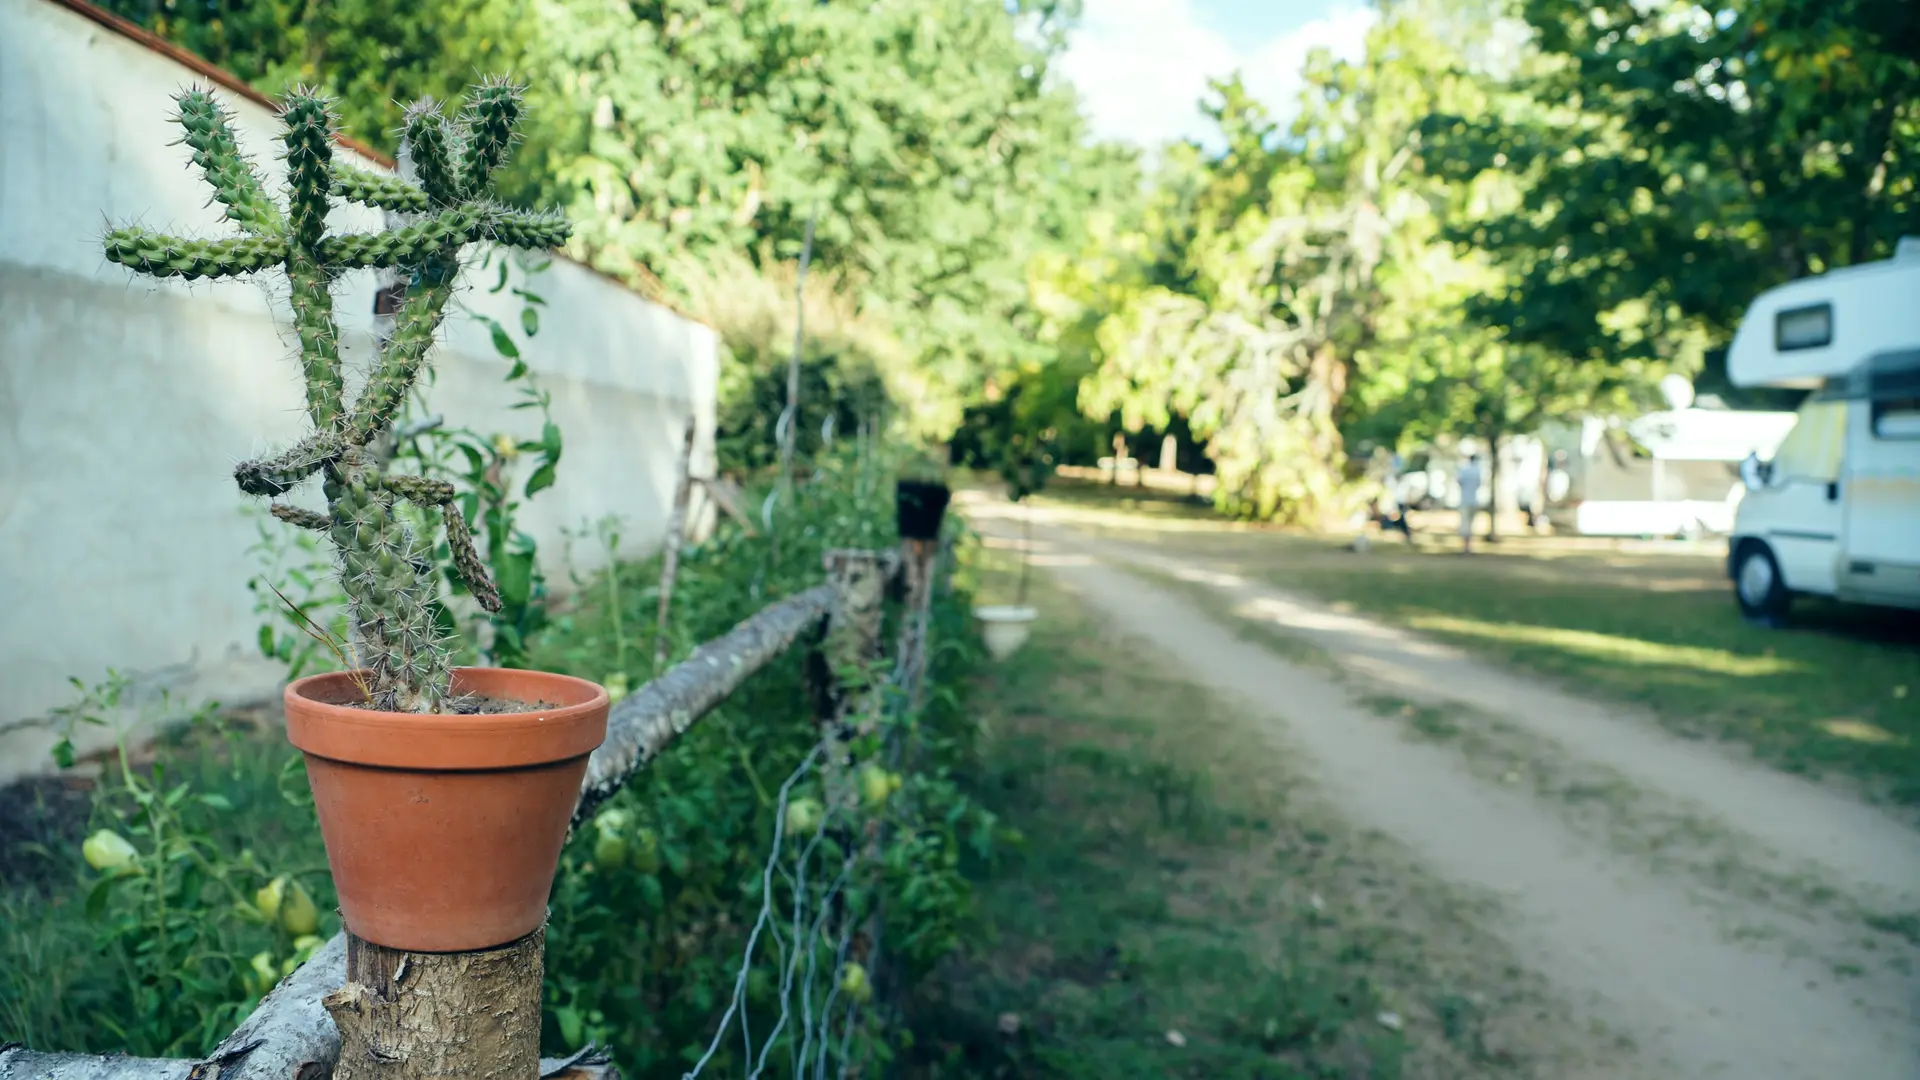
(670, 554)
(859, 580)
(415, 1016)
(919, 562)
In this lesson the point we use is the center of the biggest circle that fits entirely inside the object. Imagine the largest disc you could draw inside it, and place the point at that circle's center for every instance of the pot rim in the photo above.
(1005, 613)
(322, 723)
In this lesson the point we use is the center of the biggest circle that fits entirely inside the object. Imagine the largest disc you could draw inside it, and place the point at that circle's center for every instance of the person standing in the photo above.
(1469, 501)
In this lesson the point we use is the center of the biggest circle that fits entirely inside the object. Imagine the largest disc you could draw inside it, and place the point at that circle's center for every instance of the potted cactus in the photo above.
(443, 793)
(1024, 463)
(920, 499)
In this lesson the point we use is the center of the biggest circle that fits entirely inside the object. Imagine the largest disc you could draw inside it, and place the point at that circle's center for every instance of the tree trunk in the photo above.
(1494, 441)
(423, 1016)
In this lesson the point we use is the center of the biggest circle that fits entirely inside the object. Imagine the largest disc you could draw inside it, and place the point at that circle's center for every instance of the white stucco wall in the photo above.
(125, 402)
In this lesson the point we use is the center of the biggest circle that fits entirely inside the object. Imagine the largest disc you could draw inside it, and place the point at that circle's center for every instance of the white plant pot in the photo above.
(1005, 628)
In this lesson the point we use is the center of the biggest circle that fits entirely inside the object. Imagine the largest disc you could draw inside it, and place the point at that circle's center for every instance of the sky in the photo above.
(1142, 65)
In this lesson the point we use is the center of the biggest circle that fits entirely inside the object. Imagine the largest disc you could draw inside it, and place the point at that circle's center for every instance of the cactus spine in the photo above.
(386, 571)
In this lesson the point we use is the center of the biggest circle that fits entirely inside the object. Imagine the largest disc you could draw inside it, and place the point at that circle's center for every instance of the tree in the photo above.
(926, 140)
(1288, 272)
(929, 139)
(1677, 161)
(370, 57)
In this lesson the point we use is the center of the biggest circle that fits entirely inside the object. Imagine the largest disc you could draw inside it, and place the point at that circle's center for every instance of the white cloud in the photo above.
(1142, 66)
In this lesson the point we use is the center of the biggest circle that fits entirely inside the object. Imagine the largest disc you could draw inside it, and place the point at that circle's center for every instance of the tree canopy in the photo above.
(1506, 211)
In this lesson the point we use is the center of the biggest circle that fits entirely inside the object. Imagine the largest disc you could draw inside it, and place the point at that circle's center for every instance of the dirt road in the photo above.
(1727, 920)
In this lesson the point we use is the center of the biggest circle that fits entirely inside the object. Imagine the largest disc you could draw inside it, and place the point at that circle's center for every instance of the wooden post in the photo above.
(670, 557)
(859, 580)
(918, 559)
(416, 1016)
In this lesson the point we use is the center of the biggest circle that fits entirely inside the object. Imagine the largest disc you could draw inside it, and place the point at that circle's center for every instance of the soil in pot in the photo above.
(920, 505)
(443, 830)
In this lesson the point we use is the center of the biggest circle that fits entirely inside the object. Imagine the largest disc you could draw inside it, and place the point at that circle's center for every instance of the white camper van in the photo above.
(1836, 510)
(1669, 473)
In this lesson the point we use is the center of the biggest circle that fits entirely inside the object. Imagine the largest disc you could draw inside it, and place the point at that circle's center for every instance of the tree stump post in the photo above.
(424, 1016)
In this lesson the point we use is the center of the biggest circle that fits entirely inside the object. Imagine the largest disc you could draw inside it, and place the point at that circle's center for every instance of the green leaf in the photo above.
(266, 641)
(63, 753)
(97, 899)
(571, 1025)
(216, 800)
(502, 283)
(518, 369)
(502, 343)
(530, 320)
(513, 576)
(541, 479)
(476, 458)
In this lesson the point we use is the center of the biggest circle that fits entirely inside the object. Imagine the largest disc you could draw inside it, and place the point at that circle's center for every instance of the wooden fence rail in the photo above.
(296, 1031)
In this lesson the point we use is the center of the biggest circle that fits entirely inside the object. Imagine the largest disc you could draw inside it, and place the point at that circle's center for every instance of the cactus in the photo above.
(385, 570)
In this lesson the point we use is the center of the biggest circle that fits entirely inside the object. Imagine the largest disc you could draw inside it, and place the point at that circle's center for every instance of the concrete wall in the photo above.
(124, 402)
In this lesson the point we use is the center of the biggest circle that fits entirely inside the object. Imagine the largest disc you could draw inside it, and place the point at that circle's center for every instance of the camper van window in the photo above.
(1897, 418)
(1894, 387)
(1803, 328)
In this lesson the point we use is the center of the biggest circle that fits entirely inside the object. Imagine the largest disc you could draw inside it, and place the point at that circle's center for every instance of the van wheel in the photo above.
(1763, 596)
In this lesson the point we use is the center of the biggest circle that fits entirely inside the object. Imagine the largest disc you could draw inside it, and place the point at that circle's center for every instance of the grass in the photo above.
(1836, 693)
(1179, 906)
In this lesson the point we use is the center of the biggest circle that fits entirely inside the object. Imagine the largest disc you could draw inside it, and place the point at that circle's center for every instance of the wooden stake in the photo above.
(670, 557)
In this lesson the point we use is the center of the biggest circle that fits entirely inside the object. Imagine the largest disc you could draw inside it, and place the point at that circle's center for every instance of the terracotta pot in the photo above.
(920, 504)
(444, 831)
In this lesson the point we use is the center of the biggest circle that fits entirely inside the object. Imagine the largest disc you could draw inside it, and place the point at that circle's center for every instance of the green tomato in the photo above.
(646, 851)
(612, 819)
(876, 785)
(803, 817)
(264, 970)
(269, 897)
(609, 850)
(854, 984)
(108, 850)
(298, 915)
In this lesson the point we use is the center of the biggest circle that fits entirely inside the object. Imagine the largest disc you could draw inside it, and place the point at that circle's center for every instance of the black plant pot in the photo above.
(920, 504)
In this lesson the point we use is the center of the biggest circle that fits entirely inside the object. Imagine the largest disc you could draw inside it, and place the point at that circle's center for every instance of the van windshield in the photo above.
(1812, 450)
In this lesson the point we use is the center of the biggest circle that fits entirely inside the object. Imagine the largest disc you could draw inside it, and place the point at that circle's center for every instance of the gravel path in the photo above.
(1718, 915)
